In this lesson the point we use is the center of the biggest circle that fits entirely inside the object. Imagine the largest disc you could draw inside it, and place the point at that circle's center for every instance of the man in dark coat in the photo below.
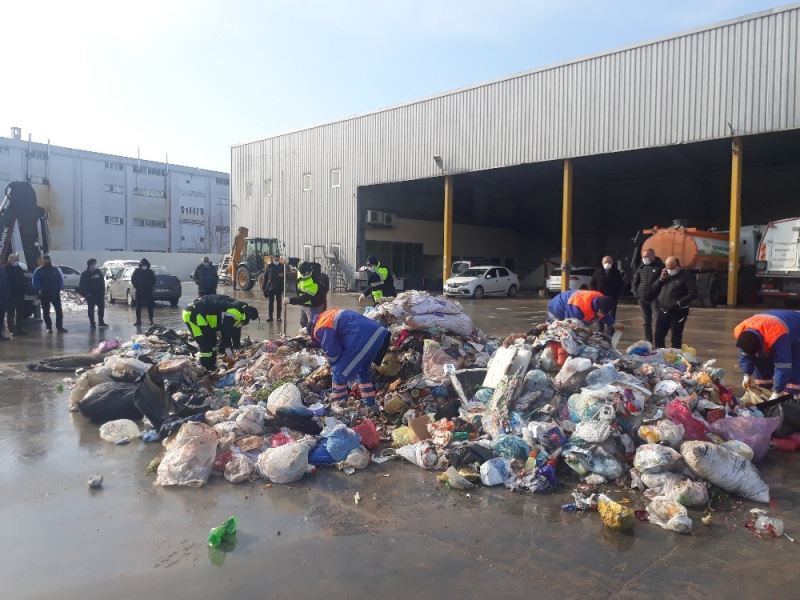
(642, 287)
(92, 287)
(675, 290)
(16, 285)
(608, 281)
(206, 278)
(48, 283)
(273, 287)
(144, 281)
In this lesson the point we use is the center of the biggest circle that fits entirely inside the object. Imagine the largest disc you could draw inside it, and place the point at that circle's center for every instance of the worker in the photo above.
(48, 283)
(608, 281)
(642, 287)
(206, 278)
(585, 305)
(144, 282)
(769, 351)
(352, 343)
(5, 302)
(92, 287)
(311, 295)
(274, 286)
(674, 291)
(16, 285)
(380, 280)
(208, 315)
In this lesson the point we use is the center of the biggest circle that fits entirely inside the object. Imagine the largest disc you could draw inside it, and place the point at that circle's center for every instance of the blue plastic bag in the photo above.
(341, 441)
(319, 455)
(510, 446)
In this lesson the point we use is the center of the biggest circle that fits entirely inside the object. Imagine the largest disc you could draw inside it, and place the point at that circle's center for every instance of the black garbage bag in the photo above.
(469, 454)
(174, 423)
(110, 401)
(178, 344)
(66, 364)
(447, 408)
(294, 422)
(151, 399)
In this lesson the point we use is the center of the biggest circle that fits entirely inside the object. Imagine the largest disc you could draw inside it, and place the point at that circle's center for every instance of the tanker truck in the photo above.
(705, 253)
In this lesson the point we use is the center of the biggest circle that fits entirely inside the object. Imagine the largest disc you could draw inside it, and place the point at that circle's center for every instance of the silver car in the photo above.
(168, 286)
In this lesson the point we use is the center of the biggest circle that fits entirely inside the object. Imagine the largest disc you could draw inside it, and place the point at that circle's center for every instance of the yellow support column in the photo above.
(566, 226)
(447, 254)
(736, 220)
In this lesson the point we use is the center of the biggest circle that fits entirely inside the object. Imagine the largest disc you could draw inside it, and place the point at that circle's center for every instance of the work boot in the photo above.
(269, 320)
(102, 324)
(137, 324)
(92, 326)
(49, 330)
(62, 330)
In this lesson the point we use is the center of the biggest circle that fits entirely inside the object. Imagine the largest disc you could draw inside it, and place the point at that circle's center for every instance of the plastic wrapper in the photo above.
(218, 416)
(435, 362)
(357, 459)
(422, 454)
(614, 515)
(725, 469)
(510, 446)
(286, 398)
(119, 431)
(495, 471)
(693, 429)
(190, 457)
(284, 464)
(664, 431)
(687, 492)
(607, 466)
(657, 481)
(250, 420)
(753, 431)
(403, 436)
(572, 375)
(368, 434)
(654, 458)
(669, 514)
(592, 432)
(456, 480)
(239, 468)
(340, 441)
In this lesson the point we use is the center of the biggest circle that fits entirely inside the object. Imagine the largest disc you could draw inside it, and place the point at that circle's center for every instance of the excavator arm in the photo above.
(19, 208)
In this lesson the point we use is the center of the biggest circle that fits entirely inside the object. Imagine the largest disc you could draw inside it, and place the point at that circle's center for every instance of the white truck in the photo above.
(778, 262)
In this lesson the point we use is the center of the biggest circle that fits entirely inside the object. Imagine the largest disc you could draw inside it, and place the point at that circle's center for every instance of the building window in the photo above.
(223, 181)
(268, 187)
(114, 189)
(223, 229)
(150, 193)
(157, 171)
(150, 223)
(248, 189)
(4, 150)
(40, 154)
(306, 182)
(222, 202)
(336, 178)
(113, 166)
(113, 220)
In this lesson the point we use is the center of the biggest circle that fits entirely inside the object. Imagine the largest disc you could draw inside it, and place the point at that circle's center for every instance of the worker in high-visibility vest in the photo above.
(311, 292)
(380, 280)
(587, 306)
(769, 351)
(209, 315)
(352, 343)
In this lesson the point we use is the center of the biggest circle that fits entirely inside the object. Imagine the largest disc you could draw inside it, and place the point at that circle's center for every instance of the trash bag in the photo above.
(369, 434)
(403, 436)
(284, 464)
(664, 431)
(693, 430)
(572, 375)
(753, 431)
(469, 455)
(176, 422)
(536, 381)
(110, 401)
(239, 468)
(119, 431)
(296, 422)
(546, 434)
(669, 514)
(86, 381)
(687, 492)
(495, 471)
(614, 515)
(605, 465)
(190, 458)
(151, 399)
(126, 369)
(739, 448)
(510, 446)
(655, 458)
(436, 363)
(422, 454)
(605, 375)
(592, 432)
(357, 459)
(286, 398)
(66, 364)
(319, 455)
(460, 324)
(250, 420)
(341, 441)
(657, 481)
(725, 469)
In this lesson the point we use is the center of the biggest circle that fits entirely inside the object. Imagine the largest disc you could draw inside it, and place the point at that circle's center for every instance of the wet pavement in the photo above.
(408, 538)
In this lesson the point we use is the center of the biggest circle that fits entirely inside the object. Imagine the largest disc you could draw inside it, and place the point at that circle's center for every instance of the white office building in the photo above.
(101, 202)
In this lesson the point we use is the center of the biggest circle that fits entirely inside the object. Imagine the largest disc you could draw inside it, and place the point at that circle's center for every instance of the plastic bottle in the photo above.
(218, 534)
(460, 436)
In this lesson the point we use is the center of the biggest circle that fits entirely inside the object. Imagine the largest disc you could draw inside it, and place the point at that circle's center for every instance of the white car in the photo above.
(110, 268)
(72, 278)
(579, 279)
(477, 282)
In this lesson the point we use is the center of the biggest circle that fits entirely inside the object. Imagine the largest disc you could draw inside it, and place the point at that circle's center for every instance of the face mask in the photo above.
(14, 263)
(92, 267)
(274, 261)
(672, 272)
(206, 263)
(646, 260)
(607, 266)
(145, 267)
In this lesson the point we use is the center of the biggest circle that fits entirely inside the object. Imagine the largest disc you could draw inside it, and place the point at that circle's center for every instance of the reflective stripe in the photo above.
(308, 286)
(583, 300)
(187, 316)
(363, 352)
(770, 327)
(762, 381)
(382, 272)
(235, 313)
(783, 365)
(377, 294)
(205, 354)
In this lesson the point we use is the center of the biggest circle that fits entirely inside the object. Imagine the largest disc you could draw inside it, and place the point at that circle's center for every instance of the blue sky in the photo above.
(192, 77)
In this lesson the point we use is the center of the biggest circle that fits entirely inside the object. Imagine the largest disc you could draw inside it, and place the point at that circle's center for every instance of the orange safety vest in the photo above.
(326, 319)
(770, 327)
(583, 300)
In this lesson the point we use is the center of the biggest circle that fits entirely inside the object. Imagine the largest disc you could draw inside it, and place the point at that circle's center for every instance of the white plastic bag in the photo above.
(422, 303)
(239, 468)
(285, 397)
(250, 420)
(669, 514)
(189, 459)
(357, 459)
(459, 324)
(725, 469)
(663, 431)
(739, 448)
(573, 374)
(593, 432)
(654, 458)
(495, 471)
(657, 481)
(119, 431)
(422, 454)
(687, 492)
(284, 464)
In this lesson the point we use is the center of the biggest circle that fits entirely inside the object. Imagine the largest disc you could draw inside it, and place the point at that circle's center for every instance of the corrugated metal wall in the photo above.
(741, 75)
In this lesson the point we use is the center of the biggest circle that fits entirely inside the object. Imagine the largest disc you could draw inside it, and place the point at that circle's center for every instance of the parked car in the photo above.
(579, 279)
(477, 282)
(72, 278)
(111, 267)
(168, 286)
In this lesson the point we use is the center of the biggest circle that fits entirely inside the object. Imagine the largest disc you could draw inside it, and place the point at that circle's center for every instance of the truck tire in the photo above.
(243, 279)
(714, 292)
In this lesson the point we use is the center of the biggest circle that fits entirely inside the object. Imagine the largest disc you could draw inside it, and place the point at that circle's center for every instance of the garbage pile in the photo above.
(553, 407)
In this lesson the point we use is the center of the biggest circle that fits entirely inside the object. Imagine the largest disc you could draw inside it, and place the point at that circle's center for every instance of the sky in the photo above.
(190, 78)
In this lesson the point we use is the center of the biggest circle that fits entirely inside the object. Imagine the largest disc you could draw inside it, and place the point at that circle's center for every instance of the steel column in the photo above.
(736, 220)
(447, 253)
(566, 226)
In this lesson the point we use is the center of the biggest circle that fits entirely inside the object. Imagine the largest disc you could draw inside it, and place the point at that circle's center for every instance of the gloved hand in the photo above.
(746, 381)
(619, 327)
(361, 299)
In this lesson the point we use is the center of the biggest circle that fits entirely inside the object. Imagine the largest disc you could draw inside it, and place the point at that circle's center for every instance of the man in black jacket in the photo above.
(92, 286)
(608, 281)
(206, 278)
(144, 281)
(273, 287)
(48, 282)
(675, 290)
(16, 286)
(642, 287)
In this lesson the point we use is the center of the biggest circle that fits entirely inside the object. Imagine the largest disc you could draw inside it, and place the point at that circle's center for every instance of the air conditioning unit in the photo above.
(388, 219)
(374, 217)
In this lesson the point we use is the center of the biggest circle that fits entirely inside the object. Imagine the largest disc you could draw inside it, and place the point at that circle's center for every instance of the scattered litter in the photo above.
(95, 482)
(222, 532)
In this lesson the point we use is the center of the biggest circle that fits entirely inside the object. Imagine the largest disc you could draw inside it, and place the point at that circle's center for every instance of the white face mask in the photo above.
(672, 272)
(274, 261)
(646, 260)
(607, 266)
(145, 267)
(14, 263)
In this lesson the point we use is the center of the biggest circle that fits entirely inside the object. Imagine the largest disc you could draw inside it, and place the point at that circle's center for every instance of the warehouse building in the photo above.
(101, 202)
(566, 162)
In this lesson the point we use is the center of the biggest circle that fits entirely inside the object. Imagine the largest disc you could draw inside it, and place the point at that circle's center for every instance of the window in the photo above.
(268, 187)
(150, 223)
(248, 189)
(40, 154)
(67, 270)
(222, 181)
(222, 202)
(114, 189)
(202, 211)
(4, 150)
(336, 178)
(222, 228)
(306, 182)
(307, 253)
(113, 220)
(113, 166)
(150, 193)
(158, 171)
(502, 273)
(405, 258)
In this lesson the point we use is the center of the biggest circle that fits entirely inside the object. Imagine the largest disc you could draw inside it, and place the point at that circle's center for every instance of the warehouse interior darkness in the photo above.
(512, 215)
